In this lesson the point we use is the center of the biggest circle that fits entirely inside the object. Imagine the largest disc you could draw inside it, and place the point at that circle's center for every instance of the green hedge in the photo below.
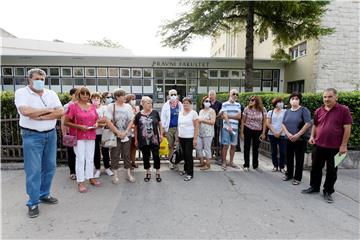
(310, 100)
(8, 105)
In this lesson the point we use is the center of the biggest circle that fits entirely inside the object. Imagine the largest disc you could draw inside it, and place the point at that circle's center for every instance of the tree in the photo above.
(104, 43)
(287, 21)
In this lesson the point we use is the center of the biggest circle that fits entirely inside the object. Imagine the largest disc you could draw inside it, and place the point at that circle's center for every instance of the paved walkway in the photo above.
(215, 204)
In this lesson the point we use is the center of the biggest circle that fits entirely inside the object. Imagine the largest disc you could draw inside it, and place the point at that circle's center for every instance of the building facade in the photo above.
(317, 64)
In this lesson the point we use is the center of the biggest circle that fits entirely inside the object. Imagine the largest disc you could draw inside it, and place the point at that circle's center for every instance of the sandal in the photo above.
(95, 182)
(296, 182)
(147, 178)
(82, 188)
(158, 178)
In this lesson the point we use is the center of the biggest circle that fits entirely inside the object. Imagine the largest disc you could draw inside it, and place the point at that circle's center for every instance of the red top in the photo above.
(83, 117)
(330, 125)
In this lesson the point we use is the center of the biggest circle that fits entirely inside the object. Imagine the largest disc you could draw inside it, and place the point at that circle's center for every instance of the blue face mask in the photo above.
(38, 85)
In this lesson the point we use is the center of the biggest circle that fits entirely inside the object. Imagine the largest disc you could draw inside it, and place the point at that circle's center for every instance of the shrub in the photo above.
(310, 100)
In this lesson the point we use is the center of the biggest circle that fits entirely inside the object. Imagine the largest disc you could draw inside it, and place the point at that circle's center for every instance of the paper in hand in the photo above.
(339, 158)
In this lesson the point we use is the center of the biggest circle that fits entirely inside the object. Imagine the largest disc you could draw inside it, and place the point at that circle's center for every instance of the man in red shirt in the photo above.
(330, 134)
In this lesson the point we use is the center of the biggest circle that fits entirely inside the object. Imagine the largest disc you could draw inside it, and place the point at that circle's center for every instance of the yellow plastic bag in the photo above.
(164, 147)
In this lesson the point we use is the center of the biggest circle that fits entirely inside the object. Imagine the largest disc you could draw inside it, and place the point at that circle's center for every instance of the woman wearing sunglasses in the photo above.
(253, 127)
(206, 120)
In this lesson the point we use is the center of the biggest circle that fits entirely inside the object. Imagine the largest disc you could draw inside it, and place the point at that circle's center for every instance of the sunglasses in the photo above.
(109, 97)
(173, 95)
(235, 94)
(85, 93)
(252, 100)
(207, 101)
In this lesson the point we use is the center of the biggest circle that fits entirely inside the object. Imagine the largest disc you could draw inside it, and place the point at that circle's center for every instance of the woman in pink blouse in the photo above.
(82, 120)
(253, 127)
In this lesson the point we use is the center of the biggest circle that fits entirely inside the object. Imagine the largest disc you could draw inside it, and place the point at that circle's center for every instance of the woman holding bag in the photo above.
(82, 117)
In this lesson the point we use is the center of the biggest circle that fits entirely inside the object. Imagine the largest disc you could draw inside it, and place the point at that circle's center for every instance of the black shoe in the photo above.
(309, 190)
(33, 211)
(49, 200)
(328, 197)
(286, 178)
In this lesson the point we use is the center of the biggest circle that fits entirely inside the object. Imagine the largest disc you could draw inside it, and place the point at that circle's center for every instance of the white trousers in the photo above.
(84, 166)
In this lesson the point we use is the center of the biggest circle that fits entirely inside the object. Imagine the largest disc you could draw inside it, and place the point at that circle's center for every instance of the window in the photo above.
(102, 81)
(67, 81)
(125, 72)
(90, 81)
(224, 73)
(19, 71)
(79, 81)
(158, 73)
(113, 72)
(54, 72)
(170, 73)
(136, 73)
(66, 72)
(214, 73)
(203, 73)
(235, 74)
(45, 70)
(181, 73)
(54, 81)
(7, 71)
(148, 73)
(159, 81)
(90, 72)
(203, 82)
(298, 51)
(78, 72)
(267, 74)
(296, 86)
(266, 84)
(113, 81)
(147, 82)
(125, 82)
(192, 73)
(136, 82)
(102, 72)
(180, 82)
(8, 81)
(213, 82)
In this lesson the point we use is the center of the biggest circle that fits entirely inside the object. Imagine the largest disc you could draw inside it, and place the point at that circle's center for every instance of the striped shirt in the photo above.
(231, 109)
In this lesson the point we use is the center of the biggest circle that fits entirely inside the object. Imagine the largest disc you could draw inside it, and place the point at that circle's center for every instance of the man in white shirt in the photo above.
(39, 109)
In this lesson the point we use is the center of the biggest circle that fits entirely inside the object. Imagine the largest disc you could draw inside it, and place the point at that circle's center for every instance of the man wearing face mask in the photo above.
(39, 108)
(231, 112)
(169, 120)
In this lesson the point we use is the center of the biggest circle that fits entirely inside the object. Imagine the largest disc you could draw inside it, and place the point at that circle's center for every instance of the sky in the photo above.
(132, 23)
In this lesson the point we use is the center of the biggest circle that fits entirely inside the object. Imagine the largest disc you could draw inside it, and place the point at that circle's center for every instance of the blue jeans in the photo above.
(281, 142)
(39, 163)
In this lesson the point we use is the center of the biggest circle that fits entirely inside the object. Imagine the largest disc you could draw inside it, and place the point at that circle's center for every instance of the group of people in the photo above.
(143, 128)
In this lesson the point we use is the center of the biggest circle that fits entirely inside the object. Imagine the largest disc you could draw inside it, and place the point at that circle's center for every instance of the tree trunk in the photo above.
(249, 49)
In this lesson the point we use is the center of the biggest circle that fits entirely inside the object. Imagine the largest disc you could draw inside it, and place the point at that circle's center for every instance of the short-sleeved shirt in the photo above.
(148, 128)
(295, 120)
(232, 109)
(123, 116)
(25, 97)
(254, 118)
(330, 125)
(66, 106)
(174, 116)
(186, 127)
(83, 117)
(276, 120)
(206, 130)
(217, 105)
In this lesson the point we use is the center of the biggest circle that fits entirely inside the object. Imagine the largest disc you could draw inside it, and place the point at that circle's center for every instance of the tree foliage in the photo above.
(104, 43)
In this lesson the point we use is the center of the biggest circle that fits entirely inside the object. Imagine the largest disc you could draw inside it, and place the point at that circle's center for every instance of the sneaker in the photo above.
(49, 200)
(188, 178)
(109, 172)
(33, 211)
(328, 197)
(73, 176)
(97, 174)
(274, 169)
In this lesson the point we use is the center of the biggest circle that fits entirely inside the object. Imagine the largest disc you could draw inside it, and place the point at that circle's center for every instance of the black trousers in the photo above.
(216, 146)
(251, 136)
(320, 156)
(154, 149)
(104, 152)
(187, 149)
(71, 159)
(296, 149)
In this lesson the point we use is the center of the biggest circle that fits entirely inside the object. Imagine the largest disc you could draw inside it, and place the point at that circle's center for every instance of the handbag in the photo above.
(177, 155)
(70, 140)
(108, 138)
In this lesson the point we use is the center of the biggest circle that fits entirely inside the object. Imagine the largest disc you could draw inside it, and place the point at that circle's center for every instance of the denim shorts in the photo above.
(228, 138)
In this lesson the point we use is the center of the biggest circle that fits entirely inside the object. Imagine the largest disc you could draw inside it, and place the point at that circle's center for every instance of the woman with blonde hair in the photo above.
(148, 134)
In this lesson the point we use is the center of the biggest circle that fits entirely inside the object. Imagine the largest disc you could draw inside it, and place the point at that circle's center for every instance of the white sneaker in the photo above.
(97, 174)
(109, 172)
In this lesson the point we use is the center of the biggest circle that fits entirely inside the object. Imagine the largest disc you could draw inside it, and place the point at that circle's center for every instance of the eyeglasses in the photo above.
(173, 95)
(235, 94)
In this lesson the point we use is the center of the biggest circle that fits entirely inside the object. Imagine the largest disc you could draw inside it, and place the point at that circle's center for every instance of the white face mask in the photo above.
(294, 102)
(38, 84)
(96, 102)
(173, 98)
(280, 105)
(207, 104)
(109, 100)
(133, 103)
